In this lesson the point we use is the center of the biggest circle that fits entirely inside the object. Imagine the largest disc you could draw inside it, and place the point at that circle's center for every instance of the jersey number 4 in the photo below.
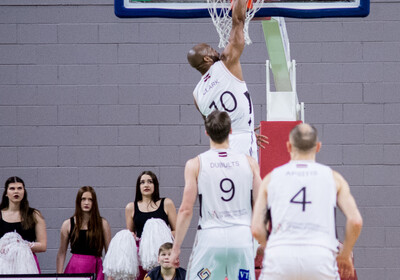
(300, 198)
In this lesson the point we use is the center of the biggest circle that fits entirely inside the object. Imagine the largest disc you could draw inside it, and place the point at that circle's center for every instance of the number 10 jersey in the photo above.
(225, 184)
(219, 89)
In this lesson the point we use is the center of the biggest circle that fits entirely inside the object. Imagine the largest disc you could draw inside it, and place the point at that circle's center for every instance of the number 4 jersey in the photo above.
(219, 89)
(302, 202)
(225, 185)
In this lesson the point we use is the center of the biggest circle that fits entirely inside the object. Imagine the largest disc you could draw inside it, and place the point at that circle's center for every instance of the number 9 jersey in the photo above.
(225, 184)
(219, 89)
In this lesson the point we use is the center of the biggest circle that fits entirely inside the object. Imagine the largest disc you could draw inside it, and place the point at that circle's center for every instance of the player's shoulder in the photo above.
(337, 176)
(193, 163)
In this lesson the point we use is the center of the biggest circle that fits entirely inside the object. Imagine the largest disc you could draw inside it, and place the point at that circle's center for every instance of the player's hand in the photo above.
(261, 139)
(174, 257)
(345, 265)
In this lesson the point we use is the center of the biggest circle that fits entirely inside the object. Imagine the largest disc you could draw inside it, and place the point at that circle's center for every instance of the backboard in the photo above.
(282, 8)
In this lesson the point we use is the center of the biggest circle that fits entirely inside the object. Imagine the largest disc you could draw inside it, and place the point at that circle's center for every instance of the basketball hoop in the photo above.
(220, 12)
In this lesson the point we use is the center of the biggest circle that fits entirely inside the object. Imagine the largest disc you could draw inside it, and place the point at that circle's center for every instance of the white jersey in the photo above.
(219, 89)
(225, 185)
(302, 201)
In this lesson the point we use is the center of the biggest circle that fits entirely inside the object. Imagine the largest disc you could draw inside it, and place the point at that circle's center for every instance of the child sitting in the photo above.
(166, 271)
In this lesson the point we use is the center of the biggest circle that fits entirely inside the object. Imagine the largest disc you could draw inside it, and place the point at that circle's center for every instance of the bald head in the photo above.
(202, 56)
(303, 137)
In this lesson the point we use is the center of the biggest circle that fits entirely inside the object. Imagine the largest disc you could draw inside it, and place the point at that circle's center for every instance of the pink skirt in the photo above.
(85, 264)
(37, 262)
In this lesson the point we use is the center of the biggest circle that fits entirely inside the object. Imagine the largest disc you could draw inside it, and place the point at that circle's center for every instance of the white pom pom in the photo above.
(16, 256)
(155, 233)
(121, 261)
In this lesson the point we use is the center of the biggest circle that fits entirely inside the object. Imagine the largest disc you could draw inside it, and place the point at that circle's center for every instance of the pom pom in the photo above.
(121, 261)
(155, 233)
(16, 256)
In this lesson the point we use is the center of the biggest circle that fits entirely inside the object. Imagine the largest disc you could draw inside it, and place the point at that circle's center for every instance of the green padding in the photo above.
(277, 57)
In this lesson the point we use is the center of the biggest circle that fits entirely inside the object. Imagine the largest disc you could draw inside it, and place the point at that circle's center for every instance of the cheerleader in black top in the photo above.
(17, 216)
(147, 205)
(88, 234)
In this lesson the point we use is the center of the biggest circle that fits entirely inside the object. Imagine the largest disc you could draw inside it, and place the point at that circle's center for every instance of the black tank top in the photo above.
(28, 235)
(140, 218)
(81, 245)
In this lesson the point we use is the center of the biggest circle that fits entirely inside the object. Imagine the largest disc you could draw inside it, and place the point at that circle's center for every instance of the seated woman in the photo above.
(17, 216)
(147, 205)
(88, 234)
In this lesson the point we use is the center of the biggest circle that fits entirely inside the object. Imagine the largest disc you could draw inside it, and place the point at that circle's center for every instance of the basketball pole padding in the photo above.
(275, 153)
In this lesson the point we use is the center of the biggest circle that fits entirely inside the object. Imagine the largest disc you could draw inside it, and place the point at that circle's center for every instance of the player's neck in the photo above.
(219, 146)
(297, 156)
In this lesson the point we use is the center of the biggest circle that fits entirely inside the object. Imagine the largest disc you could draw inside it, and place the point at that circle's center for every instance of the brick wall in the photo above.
(90, 99)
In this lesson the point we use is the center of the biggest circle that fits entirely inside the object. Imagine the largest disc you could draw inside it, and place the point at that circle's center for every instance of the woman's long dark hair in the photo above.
(27, 213)
(94, 235)
(155, 195)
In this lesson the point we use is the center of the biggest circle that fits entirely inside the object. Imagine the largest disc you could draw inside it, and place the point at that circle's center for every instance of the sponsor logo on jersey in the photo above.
(222, 154)
(208, 76)
(301, 165)
(244, 274)
(227, 214)
(204, 274)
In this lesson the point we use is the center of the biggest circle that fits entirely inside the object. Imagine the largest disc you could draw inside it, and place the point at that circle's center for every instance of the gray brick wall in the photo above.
(87, 98)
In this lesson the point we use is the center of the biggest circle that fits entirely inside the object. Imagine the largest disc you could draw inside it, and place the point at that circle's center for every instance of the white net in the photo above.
(220, 12)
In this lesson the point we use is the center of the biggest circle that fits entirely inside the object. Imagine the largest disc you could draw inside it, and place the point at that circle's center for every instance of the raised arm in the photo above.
(170, 209)
(185, 212)
(232, 52)
(64, 240)
(354, 222)
(40, 245)
(258, 227)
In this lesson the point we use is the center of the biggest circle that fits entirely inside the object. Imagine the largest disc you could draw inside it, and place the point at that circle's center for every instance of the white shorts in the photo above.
(222, 252)
(299, 263)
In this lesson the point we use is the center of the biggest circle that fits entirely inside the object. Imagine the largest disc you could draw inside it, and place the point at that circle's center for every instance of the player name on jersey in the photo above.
(302, 173)
(228, 164)
(210, 86)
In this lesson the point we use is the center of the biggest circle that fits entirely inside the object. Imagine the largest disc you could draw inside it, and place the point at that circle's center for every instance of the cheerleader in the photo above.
(147, 205)
(88, 233)
(17, 216)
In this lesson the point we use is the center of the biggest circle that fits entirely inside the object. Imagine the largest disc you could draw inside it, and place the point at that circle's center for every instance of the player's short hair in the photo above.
(304, 137)
(218, 126)
(166, 246)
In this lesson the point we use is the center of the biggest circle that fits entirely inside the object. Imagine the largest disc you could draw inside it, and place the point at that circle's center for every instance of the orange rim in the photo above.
(249, 4)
